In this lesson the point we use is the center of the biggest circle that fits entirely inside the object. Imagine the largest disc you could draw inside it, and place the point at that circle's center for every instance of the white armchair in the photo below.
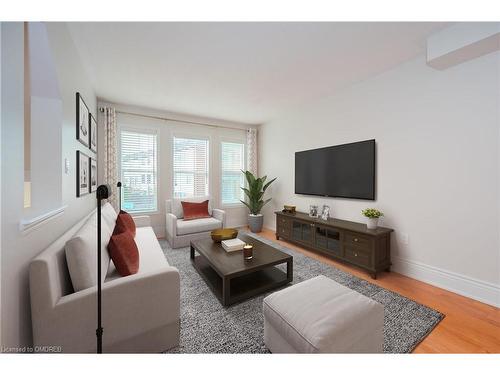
(180, 232)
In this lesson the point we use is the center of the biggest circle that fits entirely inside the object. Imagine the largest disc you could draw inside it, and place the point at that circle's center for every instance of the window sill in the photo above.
(27, 225)
(233, 205)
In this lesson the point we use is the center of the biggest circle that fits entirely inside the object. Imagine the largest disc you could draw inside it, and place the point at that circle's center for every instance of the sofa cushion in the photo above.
(81, 254)
(125, 222)
(109, 214)
(197, 226)
(177, 205)
(320, 315)
(124, 253)
(195, 210)
(151, 255)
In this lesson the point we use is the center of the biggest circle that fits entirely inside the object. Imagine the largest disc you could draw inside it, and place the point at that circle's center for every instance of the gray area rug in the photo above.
(208, 327)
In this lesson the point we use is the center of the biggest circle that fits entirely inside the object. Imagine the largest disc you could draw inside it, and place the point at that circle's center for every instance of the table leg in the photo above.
(289, 270)
(226, 288)
(192, 252)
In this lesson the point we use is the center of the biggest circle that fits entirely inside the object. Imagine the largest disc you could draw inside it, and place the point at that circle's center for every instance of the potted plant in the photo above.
(372, 214)
(254, 193)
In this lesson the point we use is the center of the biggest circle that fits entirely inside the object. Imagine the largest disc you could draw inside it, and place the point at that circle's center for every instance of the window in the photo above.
(190, 167)
(232, 162)
(138, 171)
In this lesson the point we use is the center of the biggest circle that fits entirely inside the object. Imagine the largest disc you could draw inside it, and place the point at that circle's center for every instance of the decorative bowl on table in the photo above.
(219, 235)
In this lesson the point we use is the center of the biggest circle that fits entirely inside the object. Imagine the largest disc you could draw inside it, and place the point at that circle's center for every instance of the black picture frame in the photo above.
(92, 133)
(92, 174)
(82, 121)
(82, 174)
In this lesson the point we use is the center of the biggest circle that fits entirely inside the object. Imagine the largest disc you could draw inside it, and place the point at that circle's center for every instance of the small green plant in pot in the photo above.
(257, 186)
(373, 215)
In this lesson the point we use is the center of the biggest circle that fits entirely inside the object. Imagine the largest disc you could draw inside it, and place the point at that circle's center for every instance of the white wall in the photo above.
(19, 249)
(437, 136)
(166, 130)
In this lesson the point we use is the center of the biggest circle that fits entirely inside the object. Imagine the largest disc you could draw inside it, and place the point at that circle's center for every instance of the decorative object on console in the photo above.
(82, 121)
(288, 208)
(93, 175)
(82, 174)
(256, 189)
(195, 210)
(325, 213)
(248, 251)
(93, 133)
(373, 215)
(219, 235)
(313, 210)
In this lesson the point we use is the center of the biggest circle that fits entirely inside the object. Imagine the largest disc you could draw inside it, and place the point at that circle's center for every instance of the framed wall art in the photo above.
(82, 174)
(93, 134)
(93, 174)
(82, 120)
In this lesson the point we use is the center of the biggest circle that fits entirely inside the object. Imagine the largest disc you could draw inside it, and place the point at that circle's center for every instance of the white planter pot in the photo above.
(372, 222)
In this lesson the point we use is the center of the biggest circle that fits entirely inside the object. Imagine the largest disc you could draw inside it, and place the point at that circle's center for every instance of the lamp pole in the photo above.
(119, 185)
(103, 192)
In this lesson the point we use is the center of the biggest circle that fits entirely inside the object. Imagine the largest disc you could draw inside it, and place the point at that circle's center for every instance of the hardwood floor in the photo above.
(468, 327)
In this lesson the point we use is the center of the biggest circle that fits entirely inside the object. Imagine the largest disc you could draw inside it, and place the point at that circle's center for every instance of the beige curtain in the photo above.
(110, 154)
(252, 150)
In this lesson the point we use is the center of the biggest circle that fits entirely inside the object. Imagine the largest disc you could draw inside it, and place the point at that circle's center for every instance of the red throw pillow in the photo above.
(124, 222)
(193, 210)
(124, 253)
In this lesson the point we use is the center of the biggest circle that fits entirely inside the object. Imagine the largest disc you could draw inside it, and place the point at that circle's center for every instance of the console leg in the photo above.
(277, 236)
(374, 275)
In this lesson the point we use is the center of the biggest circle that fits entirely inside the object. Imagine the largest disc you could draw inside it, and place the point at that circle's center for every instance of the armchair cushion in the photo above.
(177, 205)
(195, 210)
(197, 226)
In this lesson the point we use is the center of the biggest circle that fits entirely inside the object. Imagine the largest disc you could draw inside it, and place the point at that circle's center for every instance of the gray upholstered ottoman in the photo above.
(322, 316)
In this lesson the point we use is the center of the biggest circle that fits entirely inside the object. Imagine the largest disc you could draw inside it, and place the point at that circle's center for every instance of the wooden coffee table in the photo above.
(231, 278)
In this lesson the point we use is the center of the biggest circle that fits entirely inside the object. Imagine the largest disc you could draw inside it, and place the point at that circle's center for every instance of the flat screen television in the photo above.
(343, 171)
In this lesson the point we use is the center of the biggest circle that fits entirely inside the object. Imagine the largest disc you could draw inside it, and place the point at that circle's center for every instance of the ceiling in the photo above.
(245, 72)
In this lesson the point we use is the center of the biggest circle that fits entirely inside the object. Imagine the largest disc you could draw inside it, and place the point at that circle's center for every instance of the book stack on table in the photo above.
(234, 244)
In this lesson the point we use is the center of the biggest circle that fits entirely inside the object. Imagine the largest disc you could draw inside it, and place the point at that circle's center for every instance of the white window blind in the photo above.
(233, 162)
(190, 167)
(138, 171)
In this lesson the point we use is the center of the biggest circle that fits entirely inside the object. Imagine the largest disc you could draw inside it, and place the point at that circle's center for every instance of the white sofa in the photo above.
(140, 312)
(181, 232)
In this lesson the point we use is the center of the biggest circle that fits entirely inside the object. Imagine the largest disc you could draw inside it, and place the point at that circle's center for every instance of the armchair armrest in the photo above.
(219, 215)
(171, 224)
(142, 221)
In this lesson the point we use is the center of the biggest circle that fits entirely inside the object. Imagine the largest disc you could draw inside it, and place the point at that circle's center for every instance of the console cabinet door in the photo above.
(302, 232)
(328, 239)
(283, 226)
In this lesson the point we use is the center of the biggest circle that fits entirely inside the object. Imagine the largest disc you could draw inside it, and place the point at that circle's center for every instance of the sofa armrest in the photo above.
(171, 224)
(131, 305)
(219, 215)
(142, 221)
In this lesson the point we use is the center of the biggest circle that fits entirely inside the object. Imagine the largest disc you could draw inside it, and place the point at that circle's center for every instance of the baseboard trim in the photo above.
(466, 286)
(454, 282)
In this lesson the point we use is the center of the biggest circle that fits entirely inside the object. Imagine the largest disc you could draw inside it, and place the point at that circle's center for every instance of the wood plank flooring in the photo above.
(469, 326)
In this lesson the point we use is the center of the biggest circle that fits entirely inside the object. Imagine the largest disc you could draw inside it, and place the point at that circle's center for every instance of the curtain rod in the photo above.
(173, 119)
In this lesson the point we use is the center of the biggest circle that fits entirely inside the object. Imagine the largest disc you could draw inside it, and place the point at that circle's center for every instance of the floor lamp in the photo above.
(103, 192)
(119, 186)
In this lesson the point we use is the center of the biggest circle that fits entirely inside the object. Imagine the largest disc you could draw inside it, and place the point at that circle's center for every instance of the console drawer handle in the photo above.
(355, 240)
(355, 254)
